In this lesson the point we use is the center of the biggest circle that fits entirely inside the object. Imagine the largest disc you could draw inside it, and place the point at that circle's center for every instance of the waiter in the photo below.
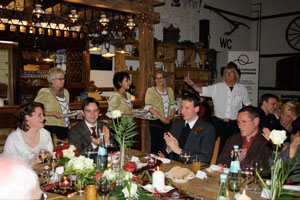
(228, 98)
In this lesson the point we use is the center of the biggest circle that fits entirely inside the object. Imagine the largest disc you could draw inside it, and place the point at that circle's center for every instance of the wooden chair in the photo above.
(57, 142)
(216, 151)
(4, 132)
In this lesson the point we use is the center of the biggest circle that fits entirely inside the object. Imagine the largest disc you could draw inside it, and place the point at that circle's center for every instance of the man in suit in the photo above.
(190, 134)
(253, 146)
(267, 110)
(87, 132)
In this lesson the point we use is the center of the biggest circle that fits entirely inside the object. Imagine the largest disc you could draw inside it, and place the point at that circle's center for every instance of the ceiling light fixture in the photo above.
(73, 16)
(104, 20)
(38, 11)
(130, 24)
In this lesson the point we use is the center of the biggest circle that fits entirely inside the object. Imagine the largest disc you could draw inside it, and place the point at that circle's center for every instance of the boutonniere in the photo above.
(197, 130)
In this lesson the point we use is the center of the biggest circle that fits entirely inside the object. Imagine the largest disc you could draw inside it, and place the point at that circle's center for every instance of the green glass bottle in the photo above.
(234, 178)
(223, 193)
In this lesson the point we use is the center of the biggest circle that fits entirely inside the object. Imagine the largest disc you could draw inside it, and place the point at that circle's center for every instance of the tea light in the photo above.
(242, 196)
(64, 184)
(158, 179)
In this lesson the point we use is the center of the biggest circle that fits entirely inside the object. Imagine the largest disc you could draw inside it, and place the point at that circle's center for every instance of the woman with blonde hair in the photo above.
(160, 101)
(56, 101)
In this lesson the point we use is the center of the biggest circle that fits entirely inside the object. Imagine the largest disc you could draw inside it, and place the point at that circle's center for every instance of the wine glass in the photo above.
(43, 154)
(54, 163)
(247, 173)
(257, 169)
(103, 188)
(185, 157)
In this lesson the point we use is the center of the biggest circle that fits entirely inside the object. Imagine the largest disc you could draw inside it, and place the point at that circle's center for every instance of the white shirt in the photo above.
(227, 103)
(16, 147)
(192, 123)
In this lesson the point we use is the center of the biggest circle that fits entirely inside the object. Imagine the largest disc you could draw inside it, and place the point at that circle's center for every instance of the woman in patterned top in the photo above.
(160, 101)
(120, 100)
(56, 101)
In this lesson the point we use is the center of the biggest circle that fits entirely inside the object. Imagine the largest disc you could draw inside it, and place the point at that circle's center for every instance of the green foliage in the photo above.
(124, 130)
(63, 160)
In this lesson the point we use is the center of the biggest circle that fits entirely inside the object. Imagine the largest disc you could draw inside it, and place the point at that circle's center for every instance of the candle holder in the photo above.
(65, 183)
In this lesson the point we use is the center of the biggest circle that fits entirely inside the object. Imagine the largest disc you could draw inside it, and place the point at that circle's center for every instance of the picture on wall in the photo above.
(97, 62)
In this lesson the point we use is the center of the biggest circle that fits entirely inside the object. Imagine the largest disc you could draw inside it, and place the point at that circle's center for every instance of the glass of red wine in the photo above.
(104, 187)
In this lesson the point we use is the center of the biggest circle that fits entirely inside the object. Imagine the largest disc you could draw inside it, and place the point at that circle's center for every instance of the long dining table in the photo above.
(199, 188)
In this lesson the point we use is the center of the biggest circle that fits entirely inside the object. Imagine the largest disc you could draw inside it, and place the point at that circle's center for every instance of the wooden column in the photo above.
(119, 61)
(145, 75)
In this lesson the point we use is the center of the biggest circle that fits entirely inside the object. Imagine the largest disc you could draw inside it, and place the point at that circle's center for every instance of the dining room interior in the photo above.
(92, 40)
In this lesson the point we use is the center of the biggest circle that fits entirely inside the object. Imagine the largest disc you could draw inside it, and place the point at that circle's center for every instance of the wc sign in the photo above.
(225, 43)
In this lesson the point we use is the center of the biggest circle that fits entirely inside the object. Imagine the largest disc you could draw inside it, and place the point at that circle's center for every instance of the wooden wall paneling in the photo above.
(119, 61)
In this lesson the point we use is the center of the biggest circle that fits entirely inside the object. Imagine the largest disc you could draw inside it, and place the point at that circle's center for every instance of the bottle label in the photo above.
(102, 151)
(221, 198)
(234, 167)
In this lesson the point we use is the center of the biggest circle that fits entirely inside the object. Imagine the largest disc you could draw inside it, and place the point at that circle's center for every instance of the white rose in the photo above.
(115, 114)
(72, 147)
(133, 190)
(277, 137)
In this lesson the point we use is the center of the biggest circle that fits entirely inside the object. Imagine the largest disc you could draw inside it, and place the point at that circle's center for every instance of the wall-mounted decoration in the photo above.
(171, 34)
(292, 34)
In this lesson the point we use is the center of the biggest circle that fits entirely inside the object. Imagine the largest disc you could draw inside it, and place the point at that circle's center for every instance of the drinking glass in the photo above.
(196, 163)
(43, 154)
(185, 157)
(246, 173)
(257, 169)
(54, 163)
(103, 188)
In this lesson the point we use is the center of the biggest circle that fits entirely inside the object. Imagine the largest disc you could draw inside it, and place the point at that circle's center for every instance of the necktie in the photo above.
(184, 135)
(94, 134)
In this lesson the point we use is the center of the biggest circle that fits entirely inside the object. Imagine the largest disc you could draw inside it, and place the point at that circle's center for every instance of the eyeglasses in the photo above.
(244, 121)
(159, 78)
(60, 79)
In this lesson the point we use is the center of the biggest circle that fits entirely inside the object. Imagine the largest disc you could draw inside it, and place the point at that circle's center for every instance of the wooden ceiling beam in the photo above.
(120, 5)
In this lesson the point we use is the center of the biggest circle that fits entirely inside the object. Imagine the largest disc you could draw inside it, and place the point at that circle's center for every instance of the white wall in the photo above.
(243, 39)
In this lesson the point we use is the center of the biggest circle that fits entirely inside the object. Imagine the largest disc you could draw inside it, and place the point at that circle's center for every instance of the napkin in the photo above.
(265, 193)
(150, 188)
(200, 174)
(217, 168)
(291, 187)
(163, 160)
(59, 170)
(135, 159)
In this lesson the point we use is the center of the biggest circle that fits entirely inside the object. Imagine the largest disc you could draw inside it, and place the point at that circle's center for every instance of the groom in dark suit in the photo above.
(190, 134)
(87, 132)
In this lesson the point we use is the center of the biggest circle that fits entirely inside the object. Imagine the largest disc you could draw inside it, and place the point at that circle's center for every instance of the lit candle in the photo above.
(242, 196)
(158, 179)
(65, 183)
(132, 98)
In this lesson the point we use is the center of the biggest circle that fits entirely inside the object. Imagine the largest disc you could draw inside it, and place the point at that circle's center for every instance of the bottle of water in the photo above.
(234, 178)
(102, 154)
(223, 191)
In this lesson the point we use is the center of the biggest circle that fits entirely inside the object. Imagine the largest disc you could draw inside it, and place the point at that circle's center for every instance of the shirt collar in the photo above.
(90, 125)
(192, 123)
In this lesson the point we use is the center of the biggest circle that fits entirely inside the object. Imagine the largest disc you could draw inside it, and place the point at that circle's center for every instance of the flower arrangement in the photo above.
(124, 185)
(280, 171)
(65, 152)
(81, 166)
(124, 131)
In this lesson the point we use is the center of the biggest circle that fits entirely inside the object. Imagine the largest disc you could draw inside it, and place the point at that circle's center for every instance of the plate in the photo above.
(151, 117)
(150, 188)
(186, 179)
(72, 113)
